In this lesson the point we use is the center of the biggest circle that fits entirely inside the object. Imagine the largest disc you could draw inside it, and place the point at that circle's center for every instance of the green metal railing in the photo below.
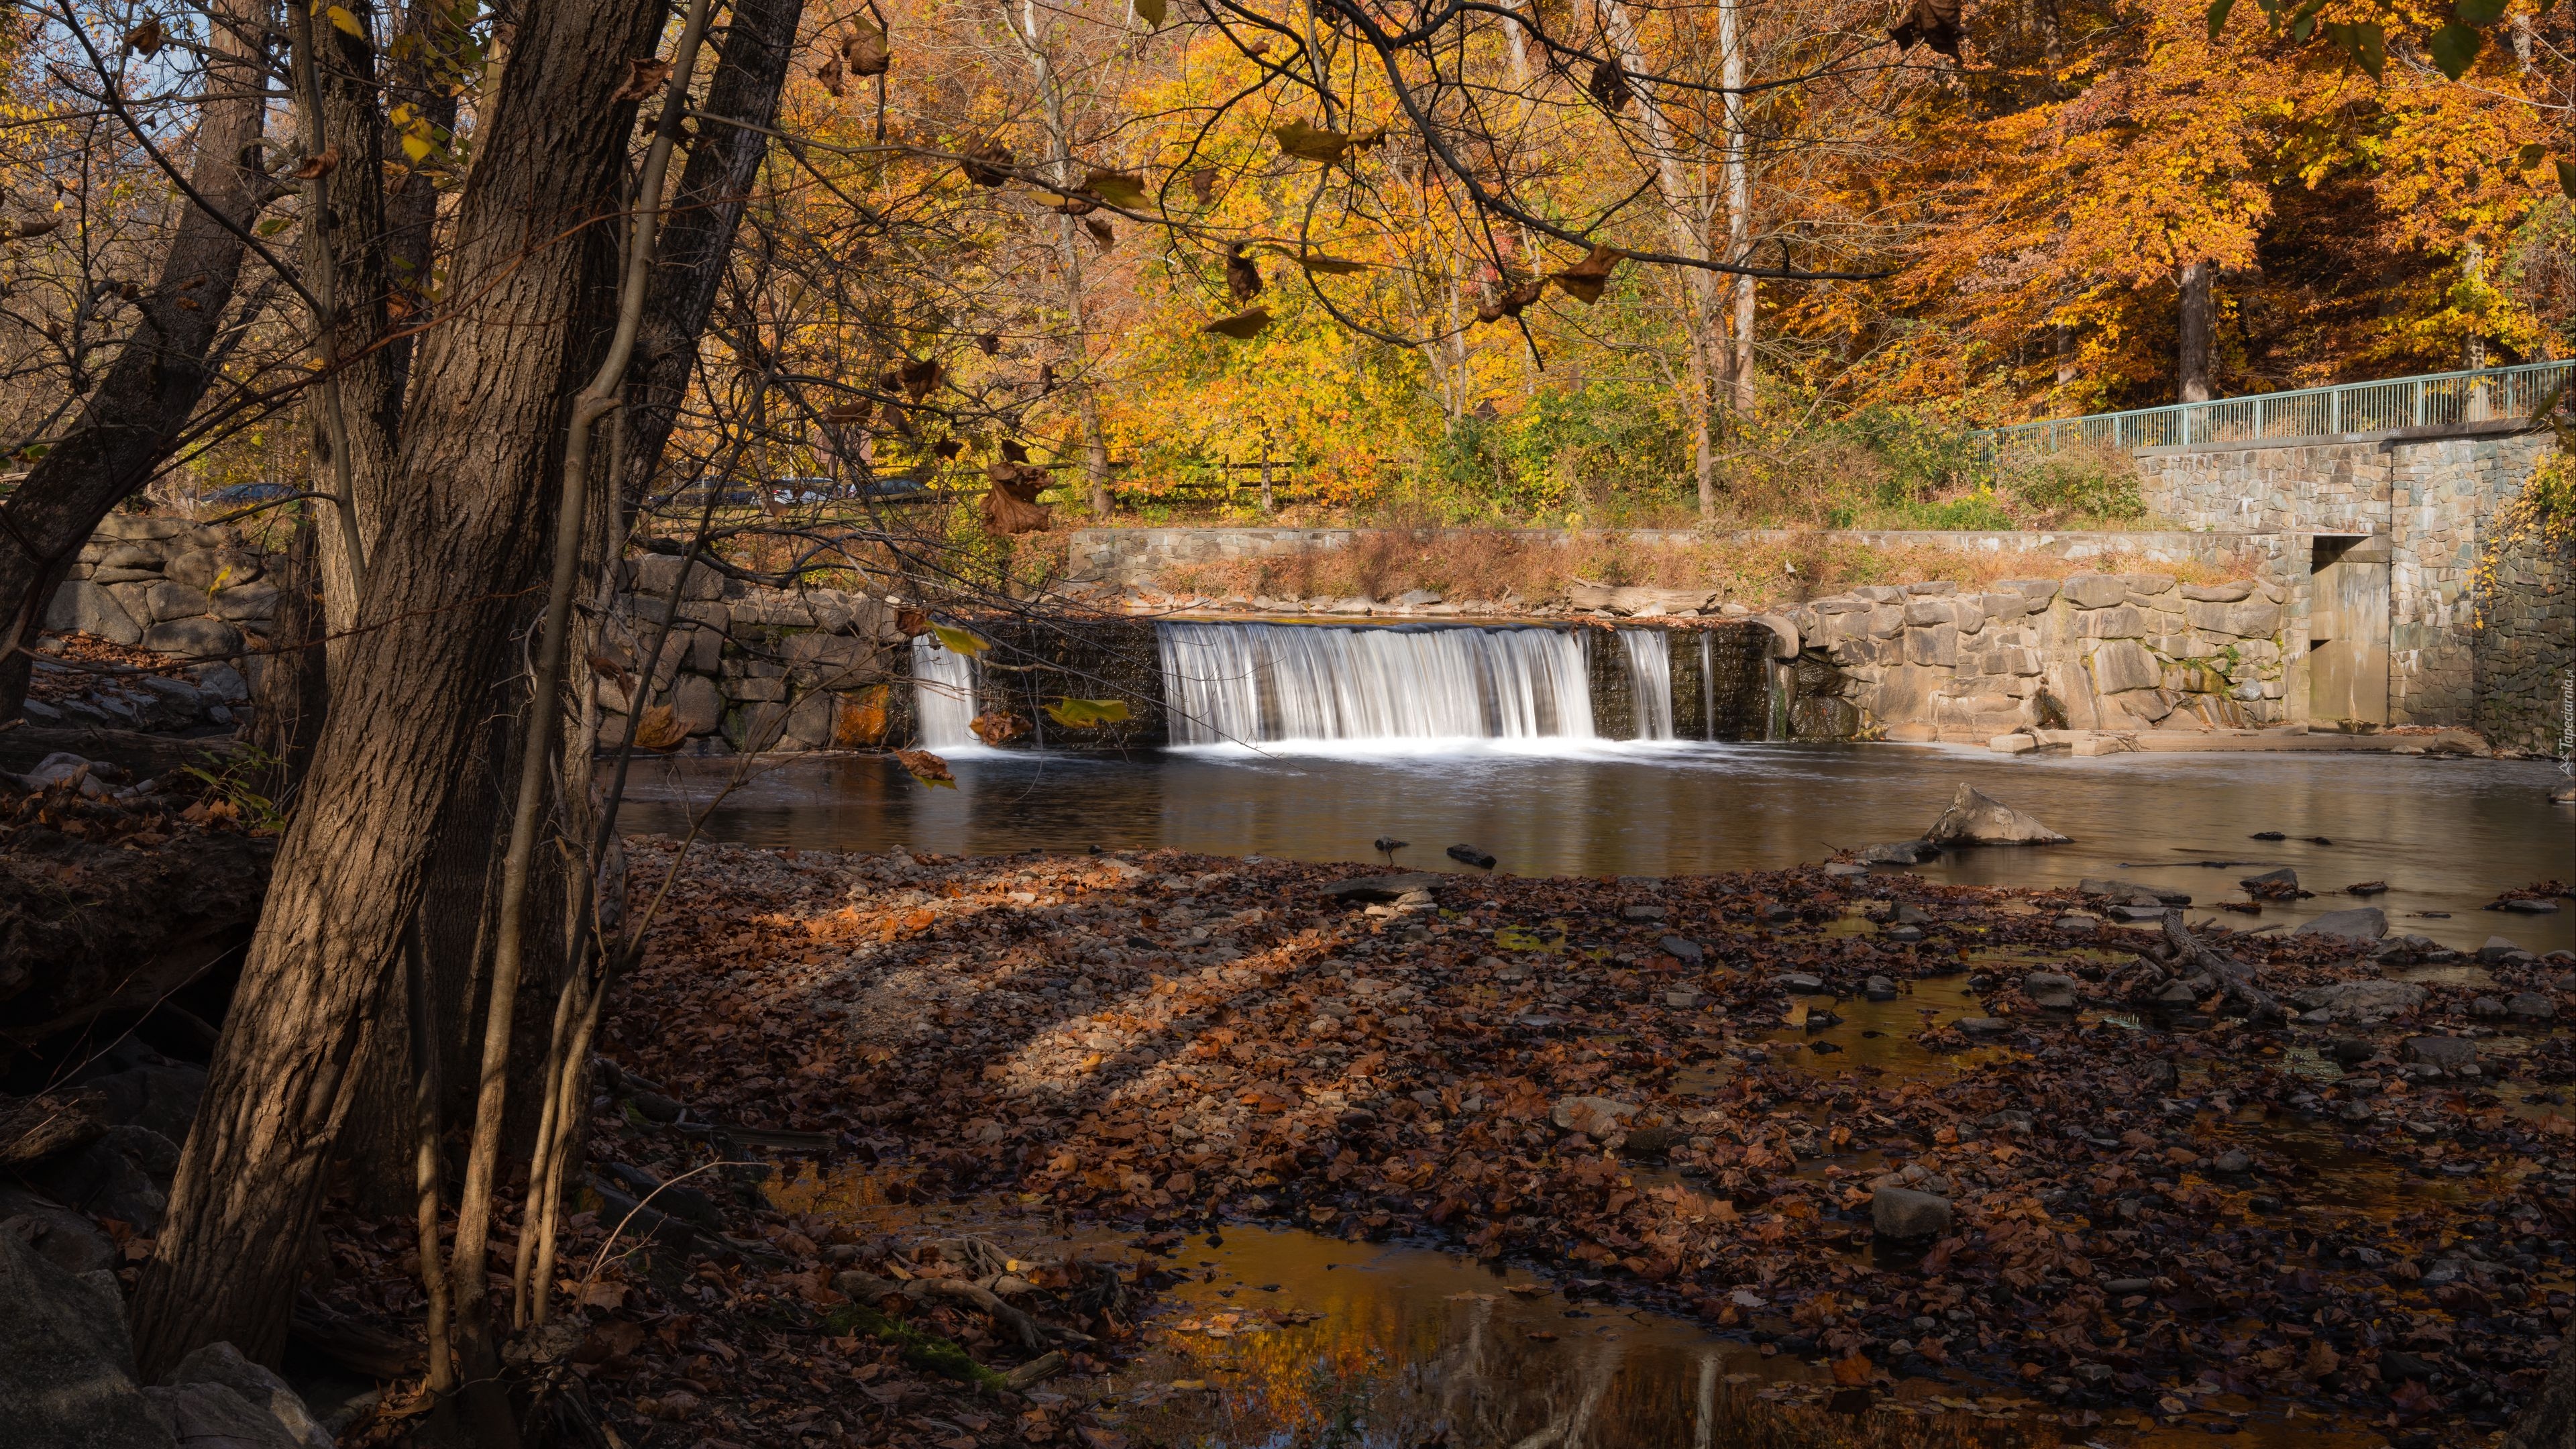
(2488, 394)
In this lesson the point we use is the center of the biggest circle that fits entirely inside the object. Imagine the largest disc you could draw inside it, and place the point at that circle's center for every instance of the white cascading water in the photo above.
(1650, 680)
(1258, 683)
(943, 694)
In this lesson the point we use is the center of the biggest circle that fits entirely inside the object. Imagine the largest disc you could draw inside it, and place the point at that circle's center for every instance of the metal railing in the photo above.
(2488, 394)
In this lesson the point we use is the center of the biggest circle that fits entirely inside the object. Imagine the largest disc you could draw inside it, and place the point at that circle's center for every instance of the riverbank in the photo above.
(2133, 1192)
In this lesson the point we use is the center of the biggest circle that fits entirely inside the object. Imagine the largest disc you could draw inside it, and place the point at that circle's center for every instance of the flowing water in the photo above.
(1255, 683)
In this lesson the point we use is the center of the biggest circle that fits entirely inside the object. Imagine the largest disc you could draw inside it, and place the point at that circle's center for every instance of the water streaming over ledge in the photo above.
(1257, 683)
(943, 694)
(1650, 681)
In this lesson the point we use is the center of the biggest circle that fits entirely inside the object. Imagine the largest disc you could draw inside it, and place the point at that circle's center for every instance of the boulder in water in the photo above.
(1900, 852)
(2365, 923)
(1977, 819)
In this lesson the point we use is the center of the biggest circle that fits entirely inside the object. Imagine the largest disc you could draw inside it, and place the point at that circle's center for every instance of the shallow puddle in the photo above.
(1280, 1337)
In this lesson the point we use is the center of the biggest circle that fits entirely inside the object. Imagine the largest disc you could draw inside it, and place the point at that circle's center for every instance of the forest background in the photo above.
(2030, 221)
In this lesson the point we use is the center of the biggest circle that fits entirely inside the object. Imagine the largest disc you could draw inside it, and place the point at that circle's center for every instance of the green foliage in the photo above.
(2075, 484)
(1920, 457)
(925, 1351)
(229, 777)
(1602, 448)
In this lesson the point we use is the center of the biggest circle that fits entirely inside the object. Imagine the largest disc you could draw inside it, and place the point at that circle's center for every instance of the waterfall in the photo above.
(943, 694)
(1650, 681)
(1262, 682)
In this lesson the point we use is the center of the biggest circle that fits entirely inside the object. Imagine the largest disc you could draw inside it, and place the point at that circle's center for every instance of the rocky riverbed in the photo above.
(2085, 1167)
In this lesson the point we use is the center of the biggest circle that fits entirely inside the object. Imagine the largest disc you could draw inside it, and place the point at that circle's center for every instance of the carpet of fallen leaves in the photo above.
(1609, 1079)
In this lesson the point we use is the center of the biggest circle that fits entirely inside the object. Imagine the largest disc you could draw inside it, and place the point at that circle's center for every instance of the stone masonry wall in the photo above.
(2526, 651)
(2094, 651)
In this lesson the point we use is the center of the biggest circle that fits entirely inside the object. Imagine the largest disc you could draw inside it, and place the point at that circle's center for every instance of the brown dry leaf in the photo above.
(1609, 86)
(660, 731)
(1310, 143)
(1929, 22)
(866, 51)
(643, 78)
(989, 344)
(861, 720)
(144, 39)
(1118, 188)
(918, 378)
(1853, 1371)
(1101, 234)
(926, 767)
(317, 167)
(998, 727)
(1242, 326)
(983, 166)
(1203, 185)
(828, 75)
(1584, 280)
(849, 414)
(913, 623)
(1242, 278)
(1011, 505)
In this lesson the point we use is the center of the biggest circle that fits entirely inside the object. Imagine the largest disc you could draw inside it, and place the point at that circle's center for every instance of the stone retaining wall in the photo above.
(2525, 654)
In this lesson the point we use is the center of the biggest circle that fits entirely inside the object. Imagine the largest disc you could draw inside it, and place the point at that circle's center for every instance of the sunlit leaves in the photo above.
(660, 730)
(865, 50)
(998, 727)
(959, 641)
(342, 21)
(1083, 714)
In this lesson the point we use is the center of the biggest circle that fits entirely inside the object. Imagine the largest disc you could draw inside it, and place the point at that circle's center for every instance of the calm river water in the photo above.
(2446, 836)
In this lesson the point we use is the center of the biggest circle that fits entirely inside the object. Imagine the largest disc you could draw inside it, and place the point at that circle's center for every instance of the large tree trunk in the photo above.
(697, 235)
(2199, 330)
(456, 549)
(130, 423)
(2549, 1420)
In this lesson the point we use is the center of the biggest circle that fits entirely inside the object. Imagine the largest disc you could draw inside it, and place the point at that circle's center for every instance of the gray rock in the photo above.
(2527, 906)
(250, 603)
(2232, 592)
(91, 609)
(2234, 1159)
(212, 1416)
(223, 682)
(2450, 1053)
(1384, 887)
(66, 1364)
(159, 1096)
(1845, 868)
(2130, 890)
(654, 575)
(64, 1238)
(2498, 948)
(2282, 880)
(2135, 914)
(1801, 984)
(200, 568)
(2051, 991)
(1904, 1214)
(1900, 852)
(194, 638)
(1975, 819)
(1879, 988)
(2095, 591)
(1592, 1116)
(1905, 933)
(125, 1174)
(2362, 923)
(2079, 925)
(1983, 1025)
(2360, 1000)
(1418, 598)
(2531, 1005)
(2178, 994)
(143, 556)
(1686, 951)
(221, 1363)
(133, 526)
(1643, 913)
(2121, 665)
(2124, 1287)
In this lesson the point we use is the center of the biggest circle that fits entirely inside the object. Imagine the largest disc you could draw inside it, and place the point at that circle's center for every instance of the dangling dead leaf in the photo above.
(1311, 143)
(1118, 188)
(15, 229)
(1242, 326)
(643, 78)
(865, 51)
(911, 623)
(998, 727)
(982, 165)
(829, 75)
(612, 670)
(1203, 185)
(1242, 278)
(317, 167)
(1928, 22)
(918, 378)
(144, 39)
(989, 344)
(1584, 280)
(1609, 86)
(660, 731)
(1101, 234)
(1330, 266)
(1151, 11)
(1012, 452)
(926, 767)
(947, 448)
(849, 414)
(1508, 303)
(1011, 505)
(1074, 206)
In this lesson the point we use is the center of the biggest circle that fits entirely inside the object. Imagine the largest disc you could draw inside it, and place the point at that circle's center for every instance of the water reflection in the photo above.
(2445, 837)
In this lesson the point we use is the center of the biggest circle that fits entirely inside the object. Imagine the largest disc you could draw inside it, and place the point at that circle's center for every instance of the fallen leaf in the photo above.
(1242, 326)
(643, 78)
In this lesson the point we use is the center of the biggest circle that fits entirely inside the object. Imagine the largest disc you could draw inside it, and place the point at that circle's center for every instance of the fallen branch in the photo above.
(2236, 975)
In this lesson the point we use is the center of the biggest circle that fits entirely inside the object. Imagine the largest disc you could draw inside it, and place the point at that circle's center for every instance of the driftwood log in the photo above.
(2235, 975)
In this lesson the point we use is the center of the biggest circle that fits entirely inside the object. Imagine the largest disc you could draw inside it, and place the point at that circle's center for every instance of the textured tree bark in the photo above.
(131, 422)
(751, 69)
(292, 697)
(370, 378)
(2199, 330)
(457, 548)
